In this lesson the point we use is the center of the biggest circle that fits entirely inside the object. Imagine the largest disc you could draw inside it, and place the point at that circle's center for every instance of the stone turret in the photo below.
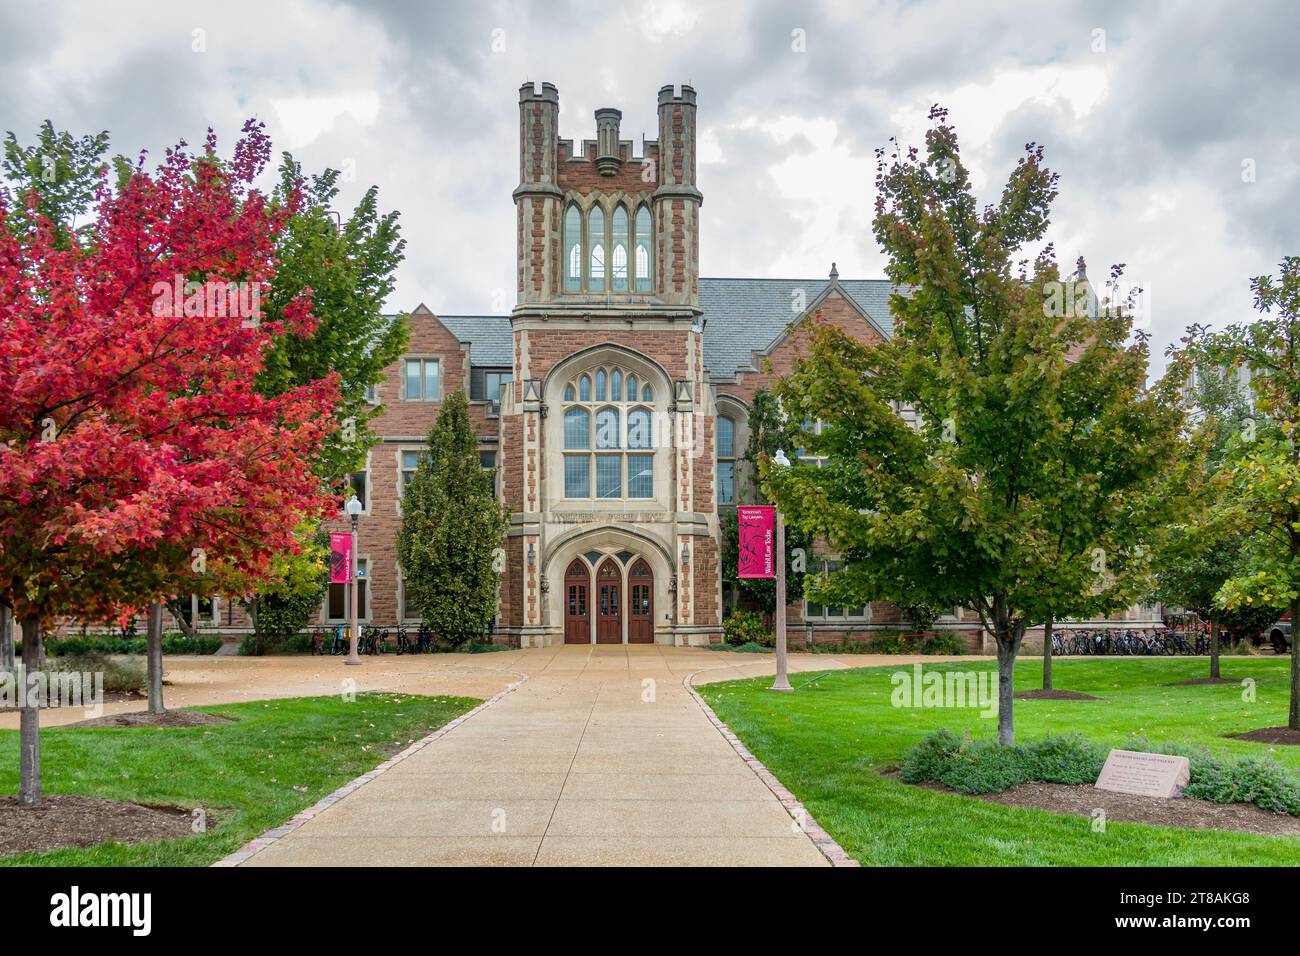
(538, 199)
(677, 200)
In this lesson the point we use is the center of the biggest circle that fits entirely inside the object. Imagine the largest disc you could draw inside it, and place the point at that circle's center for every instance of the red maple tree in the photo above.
(133, 445)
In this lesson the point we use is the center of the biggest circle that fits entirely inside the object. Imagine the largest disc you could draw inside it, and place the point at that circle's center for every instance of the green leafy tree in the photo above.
(350, 267)
(1196, 556)
(959, 510)
(769, 430)
(294, 589)
(1264, 469)
(449, 543)
(56, 177)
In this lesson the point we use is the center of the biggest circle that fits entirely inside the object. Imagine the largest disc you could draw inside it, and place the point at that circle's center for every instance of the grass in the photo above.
(280, 757)
(828, 742)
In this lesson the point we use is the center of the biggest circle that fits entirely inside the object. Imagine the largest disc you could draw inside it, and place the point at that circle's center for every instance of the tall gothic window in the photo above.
(609, 446)
(618, 255)
(726, 459)
(573, 250)
(643, 246)
(596, 239)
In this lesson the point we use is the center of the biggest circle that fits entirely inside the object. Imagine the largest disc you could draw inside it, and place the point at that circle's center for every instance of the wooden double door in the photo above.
(607, 602)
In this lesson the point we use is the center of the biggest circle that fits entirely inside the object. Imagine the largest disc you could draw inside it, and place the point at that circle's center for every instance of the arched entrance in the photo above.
(609, 609)
(641, 604)
(577, 614)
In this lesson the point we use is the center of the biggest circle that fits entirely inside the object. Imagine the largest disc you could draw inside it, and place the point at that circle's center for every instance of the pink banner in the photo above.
(340, 557)
(757, 541)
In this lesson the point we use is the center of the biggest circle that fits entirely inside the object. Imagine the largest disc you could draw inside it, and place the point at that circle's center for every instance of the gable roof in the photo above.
(490, 340)
(744, 316)
(741, 316)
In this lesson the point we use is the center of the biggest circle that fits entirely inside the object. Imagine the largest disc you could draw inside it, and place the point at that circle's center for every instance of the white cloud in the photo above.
(304, 118)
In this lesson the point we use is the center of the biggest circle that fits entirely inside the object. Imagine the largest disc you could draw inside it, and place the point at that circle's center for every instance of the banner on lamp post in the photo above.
(340, 557)
(757, 541)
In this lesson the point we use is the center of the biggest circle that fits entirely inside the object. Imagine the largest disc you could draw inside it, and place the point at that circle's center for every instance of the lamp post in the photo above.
(782, 681)
(354, 509)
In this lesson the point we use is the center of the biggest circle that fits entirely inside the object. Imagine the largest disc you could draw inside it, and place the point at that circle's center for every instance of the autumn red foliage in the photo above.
(133, 444)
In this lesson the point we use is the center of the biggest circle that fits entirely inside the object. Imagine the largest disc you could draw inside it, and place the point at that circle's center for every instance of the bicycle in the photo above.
(374, 640)
(424, 639)
(404, 645)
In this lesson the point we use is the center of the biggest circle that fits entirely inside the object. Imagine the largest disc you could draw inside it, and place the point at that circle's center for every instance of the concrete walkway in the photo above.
(600, 757)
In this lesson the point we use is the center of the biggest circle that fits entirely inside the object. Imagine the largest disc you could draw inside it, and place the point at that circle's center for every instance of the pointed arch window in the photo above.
(618, 256)
(596, 238)
(572, 250)
(609, 436)
(643, 246)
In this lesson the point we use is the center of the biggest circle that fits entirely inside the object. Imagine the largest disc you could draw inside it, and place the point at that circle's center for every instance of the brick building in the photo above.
(611, 403)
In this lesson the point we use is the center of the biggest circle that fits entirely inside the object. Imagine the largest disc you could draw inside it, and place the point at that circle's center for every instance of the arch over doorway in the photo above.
(575, 561)
(609, 602)
(577, 603)
(641, 603)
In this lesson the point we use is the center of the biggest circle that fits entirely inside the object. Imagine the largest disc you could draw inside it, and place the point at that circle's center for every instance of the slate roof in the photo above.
(489, 337)
(742, 316)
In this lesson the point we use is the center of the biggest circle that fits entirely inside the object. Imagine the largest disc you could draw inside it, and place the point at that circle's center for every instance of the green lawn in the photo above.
(280, 757)
(829, 740)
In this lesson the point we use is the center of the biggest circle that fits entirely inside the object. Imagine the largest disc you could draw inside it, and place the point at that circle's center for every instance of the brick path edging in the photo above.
(275, 834)
(824, 842)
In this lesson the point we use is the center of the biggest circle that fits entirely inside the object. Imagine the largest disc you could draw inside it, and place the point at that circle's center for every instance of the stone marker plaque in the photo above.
(1147, 775)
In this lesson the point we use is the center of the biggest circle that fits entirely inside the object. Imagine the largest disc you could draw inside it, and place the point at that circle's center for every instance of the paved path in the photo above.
(600, 757)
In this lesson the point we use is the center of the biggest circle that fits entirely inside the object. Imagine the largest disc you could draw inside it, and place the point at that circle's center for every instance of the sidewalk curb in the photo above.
(275, 834)
(824, 842)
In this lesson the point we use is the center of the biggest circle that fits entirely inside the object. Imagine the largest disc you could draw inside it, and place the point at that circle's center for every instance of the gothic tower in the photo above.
(608, 471)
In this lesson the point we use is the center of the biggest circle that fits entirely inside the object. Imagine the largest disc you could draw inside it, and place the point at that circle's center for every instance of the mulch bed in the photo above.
(1054, 695)
(66, 821)
(1084, 800)
(168, 718)
(1205, 680)
(110, 697)
(1271, 735)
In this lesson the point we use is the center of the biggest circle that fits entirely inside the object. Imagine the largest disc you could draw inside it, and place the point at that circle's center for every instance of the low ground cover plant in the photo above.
(79, 645)
(975, 766)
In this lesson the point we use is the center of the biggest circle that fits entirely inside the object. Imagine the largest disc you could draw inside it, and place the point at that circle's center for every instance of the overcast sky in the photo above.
(1173, 124)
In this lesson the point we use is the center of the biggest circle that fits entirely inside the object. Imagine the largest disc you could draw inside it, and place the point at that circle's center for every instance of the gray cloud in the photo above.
(1149, 135)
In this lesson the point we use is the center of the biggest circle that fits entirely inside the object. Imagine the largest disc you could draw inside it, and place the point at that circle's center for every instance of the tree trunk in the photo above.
(1214, 647)
(1008, 636)
(1294, 720)
(155, 659)
(29, 719)
(188, 629)
(1047, 654)
(1006, 690)
(6, 638)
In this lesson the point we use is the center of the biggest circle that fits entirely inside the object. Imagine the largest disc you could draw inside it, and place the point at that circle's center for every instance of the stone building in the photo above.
(611, 403)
